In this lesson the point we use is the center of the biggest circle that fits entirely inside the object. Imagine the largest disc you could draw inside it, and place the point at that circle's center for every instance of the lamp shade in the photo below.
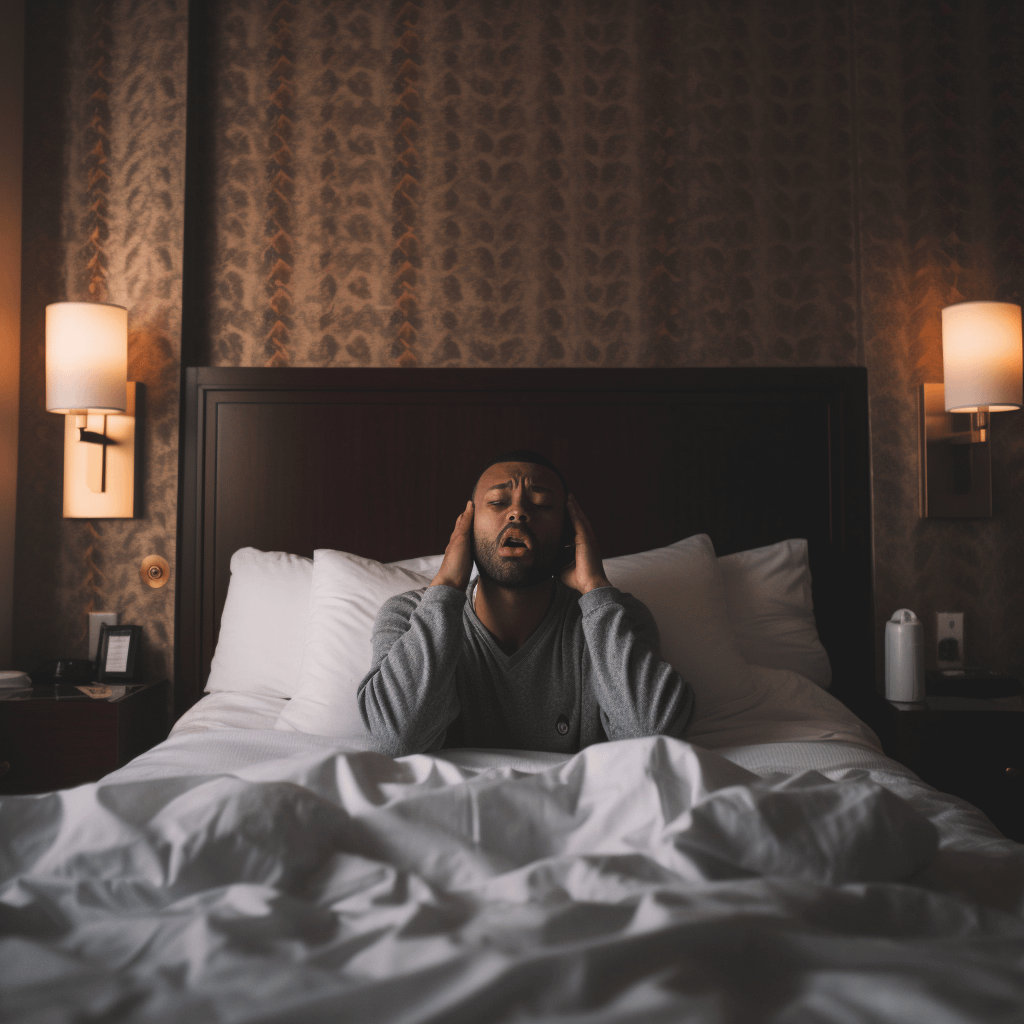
(982, 356)
(86, 357)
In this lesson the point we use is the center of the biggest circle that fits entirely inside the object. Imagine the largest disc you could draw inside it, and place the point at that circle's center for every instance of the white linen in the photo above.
(974, 861)
(783, 708)
(768, 594)
(251, 875)
(347, 593)
(263, 624)
(230, 709)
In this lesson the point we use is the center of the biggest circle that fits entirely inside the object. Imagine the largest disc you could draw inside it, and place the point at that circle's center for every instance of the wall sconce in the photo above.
(983, 366)
(86, 380)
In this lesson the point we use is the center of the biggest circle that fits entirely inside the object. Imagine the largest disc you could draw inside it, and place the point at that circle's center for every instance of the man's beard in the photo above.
(514, 573)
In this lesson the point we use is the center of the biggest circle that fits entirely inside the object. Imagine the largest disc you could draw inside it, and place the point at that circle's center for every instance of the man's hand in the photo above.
(588, 572)
(458, 556)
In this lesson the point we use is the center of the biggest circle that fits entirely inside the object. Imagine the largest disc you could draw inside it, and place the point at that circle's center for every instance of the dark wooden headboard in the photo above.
(379, 462)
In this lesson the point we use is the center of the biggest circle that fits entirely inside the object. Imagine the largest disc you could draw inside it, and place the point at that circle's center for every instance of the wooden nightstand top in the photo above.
(58, 736)
(1009, 705)
(62, 692)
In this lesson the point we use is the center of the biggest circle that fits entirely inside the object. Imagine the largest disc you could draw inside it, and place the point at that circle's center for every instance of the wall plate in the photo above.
(949, 639)
(97, 619)
(111, 466)
(955, 477)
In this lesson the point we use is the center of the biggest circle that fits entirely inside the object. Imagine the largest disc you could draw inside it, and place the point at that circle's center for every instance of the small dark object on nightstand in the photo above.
(66, 670)
(972, 682)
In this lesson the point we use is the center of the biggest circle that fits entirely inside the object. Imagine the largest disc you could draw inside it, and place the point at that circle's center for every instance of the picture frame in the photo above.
(117, 652)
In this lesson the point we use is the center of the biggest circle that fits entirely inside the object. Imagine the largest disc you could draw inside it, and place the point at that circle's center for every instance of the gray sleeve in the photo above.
(637, 692)
(408, 699)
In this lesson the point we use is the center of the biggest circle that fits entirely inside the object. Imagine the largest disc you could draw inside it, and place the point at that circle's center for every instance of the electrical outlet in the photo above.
(949, 633)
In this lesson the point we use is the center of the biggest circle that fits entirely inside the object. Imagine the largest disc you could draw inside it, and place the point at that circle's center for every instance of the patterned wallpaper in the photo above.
(940, 220)
(501, 184)
(103, 220)
(527, 183)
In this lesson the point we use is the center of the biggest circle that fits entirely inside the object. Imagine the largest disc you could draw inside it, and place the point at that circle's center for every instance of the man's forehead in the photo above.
(504, 473)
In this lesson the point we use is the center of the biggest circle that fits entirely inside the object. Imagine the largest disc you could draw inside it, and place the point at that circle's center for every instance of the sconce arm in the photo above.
(91, 437)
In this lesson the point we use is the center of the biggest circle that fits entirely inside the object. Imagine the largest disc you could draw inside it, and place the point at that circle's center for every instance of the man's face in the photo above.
(519, 512)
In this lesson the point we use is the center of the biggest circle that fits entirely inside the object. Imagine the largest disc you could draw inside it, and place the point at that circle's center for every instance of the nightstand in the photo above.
(971, 748)
(57, 736)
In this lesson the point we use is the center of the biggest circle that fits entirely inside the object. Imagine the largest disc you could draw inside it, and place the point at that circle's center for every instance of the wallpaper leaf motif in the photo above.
(484, 228)
(553, 165)
(96, 140)
(662, 281)
(234, 328)
(119, 118)
(610, 173)
(344, 207)
(406, 173)
(278, 258)
(93, 274)
(1005, 221)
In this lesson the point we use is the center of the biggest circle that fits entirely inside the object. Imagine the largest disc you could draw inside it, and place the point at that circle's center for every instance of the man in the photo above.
(523, 660)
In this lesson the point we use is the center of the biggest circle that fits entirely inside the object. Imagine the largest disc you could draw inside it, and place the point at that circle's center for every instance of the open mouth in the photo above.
(515, 541)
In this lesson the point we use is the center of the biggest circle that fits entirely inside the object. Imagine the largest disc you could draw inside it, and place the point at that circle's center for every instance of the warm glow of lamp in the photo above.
(86, 357)
(87, 381)
(983, 366)
(982, 357)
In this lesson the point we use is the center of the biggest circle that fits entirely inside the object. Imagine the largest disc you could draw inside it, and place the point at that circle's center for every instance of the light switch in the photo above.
(96, 619)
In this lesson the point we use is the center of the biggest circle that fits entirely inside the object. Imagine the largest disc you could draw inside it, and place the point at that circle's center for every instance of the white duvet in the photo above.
(264, 876)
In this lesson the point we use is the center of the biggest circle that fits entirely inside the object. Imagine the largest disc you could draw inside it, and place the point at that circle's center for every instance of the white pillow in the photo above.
(682, 586)
(347, 593)
(789, 708)
(263, 625)
(426, 565)
(768, 594)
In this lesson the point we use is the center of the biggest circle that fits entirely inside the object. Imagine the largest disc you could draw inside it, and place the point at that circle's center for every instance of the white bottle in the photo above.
(904, 658)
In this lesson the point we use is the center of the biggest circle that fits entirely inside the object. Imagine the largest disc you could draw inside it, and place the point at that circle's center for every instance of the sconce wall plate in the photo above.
(955, 474)
(99, 479)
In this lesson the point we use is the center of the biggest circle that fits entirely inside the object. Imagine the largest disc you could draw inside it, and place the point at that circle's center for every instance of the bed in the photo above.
(263, 864)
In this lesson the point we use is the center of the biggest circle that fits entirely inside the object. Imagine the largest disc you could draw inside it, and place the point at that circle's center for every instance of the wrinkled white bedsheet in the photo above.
(264, 876)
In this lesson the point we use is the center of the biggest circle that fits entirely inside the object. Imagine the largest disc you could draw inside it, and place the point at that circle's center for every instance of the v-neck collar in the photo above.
(546, 624)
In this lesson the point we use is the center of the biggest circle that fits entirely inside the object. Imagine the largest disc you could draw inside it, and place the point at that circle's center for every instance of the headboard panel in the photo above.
(379, 462)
